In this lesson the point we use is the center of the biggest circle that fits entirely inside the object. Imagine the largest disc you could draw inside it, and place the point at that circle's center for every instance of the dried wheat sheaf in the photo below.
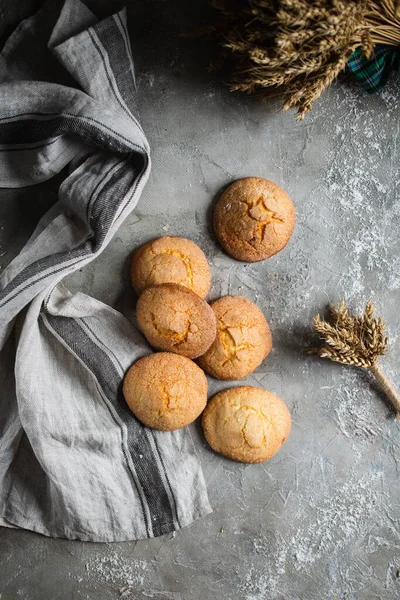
(357, 341)
(297, 47)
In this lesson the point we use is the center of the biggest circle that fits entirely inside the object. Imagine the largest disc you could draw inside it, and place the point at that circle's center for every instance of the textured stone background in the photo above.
(321, 519)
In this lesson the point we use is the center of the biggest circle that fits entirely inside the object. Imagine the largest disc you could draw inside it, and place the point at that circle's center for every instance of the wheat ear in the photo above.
(356, 341)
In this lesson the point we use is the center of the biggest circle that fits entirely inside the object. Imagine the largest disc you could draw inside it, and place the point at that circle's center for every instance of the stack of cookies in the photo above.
(229, 338)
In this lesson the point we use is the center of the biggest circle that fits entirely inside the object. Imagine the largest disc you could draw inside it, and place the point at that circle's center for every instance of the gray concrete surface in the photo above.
(321, 519)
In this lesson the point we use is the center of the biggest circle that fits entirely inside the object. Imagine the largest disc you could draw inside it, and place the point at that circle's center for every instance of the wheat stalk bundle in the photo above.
(297, 48)
(356, 341)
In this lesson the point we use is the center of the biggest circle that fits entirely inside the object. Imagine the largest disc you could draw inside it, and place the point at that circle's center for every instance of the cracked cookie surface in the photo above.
(246, 424)
(242, 342)
(165, 391)
(175, 319)
(170, 259)
(254, 219)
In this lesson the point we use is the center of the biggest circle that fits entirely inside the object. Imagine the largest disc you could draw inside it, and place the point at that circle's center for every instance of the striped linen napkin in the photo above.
(74, 462)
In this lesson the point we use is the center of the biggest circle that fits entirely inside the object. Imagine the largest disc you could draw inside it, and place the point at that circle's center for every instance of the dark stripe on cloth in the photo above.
(34, 146)
(103, 369)
(111, 38)
(45, 319)
(105, 207)
(31, 131)
(149, 431)
(109, 78)
(167, 479)
(47, 116)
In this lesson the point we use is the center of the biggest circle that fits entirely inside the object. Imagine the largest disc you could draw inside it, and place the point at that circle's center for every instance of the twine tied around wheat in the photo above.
(356, 341)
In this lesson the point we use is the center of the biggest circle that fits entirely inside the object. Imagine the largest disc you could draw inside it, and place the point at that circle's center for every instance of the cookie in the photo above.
(175, 319)
(171, 259)
(243, 339)
(165, 391)
(254, 219)
(246, 424)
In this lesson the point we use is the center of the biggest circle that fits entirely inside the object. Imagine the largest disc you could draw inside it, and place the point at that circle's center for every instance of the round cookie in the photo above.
(165, 391)
(246, 424)
(243, 339)
(171, 259)
(175, 319)
(254, 219)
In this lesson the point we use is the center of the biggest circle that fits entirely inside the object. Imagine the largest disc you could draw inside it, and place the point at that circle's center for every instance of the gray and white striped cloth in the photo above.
(74, 462)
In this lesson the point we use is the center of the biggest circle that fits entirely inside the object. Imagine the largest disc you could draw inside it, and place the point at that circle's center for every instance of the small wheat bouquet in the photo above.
(298, 47)
(356, 341)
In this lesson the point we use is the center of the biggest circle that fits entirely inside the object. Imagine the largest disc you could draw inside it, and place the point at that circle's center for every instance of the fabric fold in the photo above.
(74, 462)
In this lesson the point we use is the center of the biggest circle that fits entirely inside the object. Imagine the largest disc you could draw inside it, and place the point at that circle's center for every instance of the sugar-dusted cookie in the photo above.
(243, 339)
(175, 319)
(165, 391)
(254, 219)
(246, 424)
(171, 259)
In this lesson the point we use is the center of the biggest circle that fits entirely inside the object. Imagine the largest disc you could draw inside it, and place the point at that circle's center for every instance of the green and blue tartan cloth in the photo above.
(373, 73)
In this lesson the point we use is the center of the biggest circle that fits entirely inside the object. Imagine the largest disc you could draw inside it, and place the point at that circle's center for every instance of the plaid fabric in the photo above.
(373, 73)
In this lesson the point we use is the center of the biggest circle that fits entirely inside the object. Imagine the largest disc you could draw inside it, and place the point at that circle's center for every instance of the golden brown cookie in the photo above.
(165, 391)
(171, 259)
(243, 339)
(254, 219)
(246, 424)
(174, 318)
